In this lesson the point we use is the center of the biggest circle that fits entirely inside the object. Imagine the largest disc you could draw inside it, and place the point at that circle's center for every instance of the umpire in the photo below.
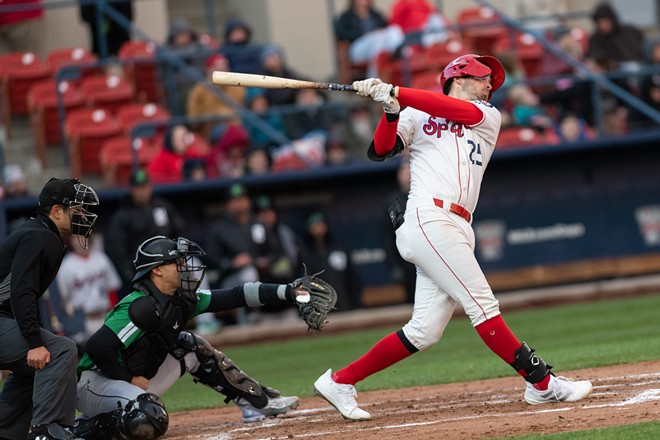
(39, 396)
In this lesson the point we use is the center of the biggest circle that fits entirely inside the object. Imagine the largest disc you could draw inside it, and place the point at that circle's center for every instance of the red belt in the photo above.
(456, 209)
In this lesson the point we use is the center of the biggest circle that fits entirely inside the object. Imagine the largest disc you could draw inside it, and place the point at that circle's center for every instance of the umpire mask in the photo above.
(77, 198)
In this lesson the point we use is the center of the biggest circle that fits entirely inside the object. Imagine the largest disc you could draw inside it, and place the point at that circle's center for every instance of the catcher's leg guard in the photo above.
(533, 365)
(220, 373)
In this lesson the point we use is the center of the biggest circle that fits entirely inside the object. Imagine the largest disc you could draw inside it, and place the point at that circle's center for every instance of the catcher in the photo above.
(142, 348)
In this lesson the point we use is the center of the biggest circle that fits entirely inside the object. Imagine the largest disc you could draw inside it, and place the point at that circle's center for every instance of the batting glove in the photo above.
(362, 87)
(382, 94)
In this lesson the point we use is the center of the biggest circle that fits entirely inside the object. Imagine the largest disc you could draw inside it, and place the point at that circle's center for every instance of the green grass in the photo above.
(641, 431)
(569, 337)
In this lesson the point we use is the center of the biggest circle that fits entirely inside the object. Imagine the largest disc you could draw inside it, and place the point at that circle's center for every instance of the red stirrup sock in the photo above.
(501, 340)
(388, 351)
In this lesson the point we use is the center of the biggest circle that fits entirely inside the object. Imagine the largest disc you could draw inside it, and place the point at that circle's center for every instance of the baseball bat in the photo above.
(272, 82)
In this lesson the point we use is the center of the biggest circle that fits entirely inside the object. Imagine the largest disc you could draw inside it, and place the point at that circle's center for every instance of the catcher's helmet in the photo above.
(473, 65)
(160, 250)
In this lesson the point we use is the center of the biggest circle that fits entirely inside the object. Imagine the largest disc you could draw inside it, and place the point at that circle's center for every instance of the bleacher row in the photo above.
(101, 109)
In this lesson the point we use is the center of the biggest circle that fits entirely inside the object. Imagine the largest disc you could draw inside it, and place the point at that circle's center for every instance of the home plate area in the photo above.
(622, 395)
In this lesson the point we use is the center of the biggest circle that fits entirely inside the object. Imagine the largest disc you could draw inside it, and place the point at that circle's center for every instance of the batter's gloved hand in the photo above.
(383, 94)
(315, 307)
(362, 87)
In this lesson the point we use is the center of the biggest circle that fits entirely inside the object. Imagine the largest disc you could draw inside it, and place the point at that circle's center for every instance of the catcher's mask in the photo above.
(476, 66)
(76, 198)
(160, 250)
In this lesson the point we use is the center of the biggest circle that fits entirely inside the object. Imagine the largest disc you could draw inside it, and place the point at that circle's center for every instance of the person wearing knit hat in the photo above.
(206, 99)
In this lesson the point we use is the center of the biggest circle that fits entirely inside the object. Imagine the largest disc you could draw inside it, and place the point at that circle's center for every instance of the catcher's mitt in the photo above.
(322, 299)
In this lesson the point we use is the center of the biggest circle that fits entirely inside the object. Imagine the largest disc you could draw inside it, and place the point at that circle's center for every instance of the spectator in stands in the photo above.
(141, 216)
(21, 31)
(526, 108)
(233, 242)
(257, 102)
(273, 63)
(208, 100)
(243, 55)
(649, 89)
(421, 23)
(15, 182)
(360, 35)
(115, 34)
(229, 144)
(613, 41)
(87, 284)
(571, 128)
(184, 45)
(321, 252)
(257, 162)
(357, 131)
(279, 259)
(178, 148)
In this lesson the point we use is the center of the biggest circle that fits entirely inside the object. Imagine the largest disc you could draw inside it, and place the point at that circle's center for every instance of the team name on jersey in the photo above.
(436, 127)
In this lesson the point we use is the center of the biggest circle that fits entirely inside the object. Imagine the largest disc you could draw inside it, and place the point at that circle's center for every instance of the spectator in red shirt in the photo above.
(168, 165)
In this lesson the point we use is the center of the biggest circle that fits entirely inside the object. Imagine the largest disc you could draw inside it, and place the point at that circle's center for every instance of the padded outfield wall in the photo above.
(546, 216)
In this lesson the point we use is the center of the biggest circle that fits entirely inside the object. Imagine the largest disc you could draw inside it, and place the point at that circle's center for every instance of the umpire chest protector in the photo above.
(162, 317)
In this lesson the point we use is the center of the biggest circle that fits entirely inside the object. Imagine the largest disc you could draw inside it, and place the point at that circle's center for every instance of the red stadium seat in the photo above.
(18, 72)
(76, 56)
(524, 137)
(441, 54)
(398, 70)
(107, 92)
(139, 60)
(480, 26)
(132, 114)
(116, 157)
(427, 81)
(86, 130)
(44, 113)
(527, 48)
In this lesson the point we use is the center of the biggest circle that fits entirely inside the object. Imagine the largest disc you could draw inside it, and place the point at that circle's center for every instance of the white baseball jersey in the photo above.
(447, 158)
(84, 282)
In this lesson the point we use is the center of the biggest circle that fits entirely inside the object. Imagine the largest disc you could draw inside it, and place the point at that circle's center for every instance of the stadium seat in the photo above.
(130, 115)
(527, 48)
(107, 92)
(18, 72)
(400, 70)
(441, 54)
(116, 157)
(139, 60)
(480, 27)
(427, 81)
(76, 56)
(513, 137)
(44, 112)
(86, 130)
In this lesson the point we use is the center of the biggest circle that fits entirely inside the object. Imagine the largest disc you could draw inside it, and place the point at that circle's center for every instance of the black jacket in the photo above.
(30, 257)
(132, 225)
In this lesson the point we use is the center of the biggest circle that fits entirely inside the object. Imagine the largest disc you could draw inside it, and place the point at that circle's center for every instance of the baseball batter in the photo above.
(142, 349)
(450, 137)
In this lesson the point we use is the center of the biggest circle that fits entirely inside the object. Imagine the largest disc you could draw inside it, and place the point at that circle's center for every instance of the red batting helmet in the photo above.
(477, 66)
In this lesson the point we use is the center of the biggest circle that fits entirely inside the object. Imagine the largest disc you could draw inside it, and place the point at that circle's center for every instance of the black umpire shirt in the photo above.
(30, 257)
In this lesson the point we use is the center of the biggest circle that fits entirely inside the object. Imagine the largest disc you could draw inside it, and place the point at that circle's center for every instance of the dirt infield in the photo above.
(623, 394)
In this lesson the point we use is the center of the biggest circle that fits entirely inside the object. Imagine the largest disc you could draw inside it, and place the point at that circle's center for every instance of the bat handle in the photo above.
(341, 87)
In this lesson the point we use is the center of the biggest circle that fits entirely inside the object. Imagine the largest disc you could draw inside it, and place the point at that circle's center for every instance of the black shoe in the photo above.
(52, 431)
